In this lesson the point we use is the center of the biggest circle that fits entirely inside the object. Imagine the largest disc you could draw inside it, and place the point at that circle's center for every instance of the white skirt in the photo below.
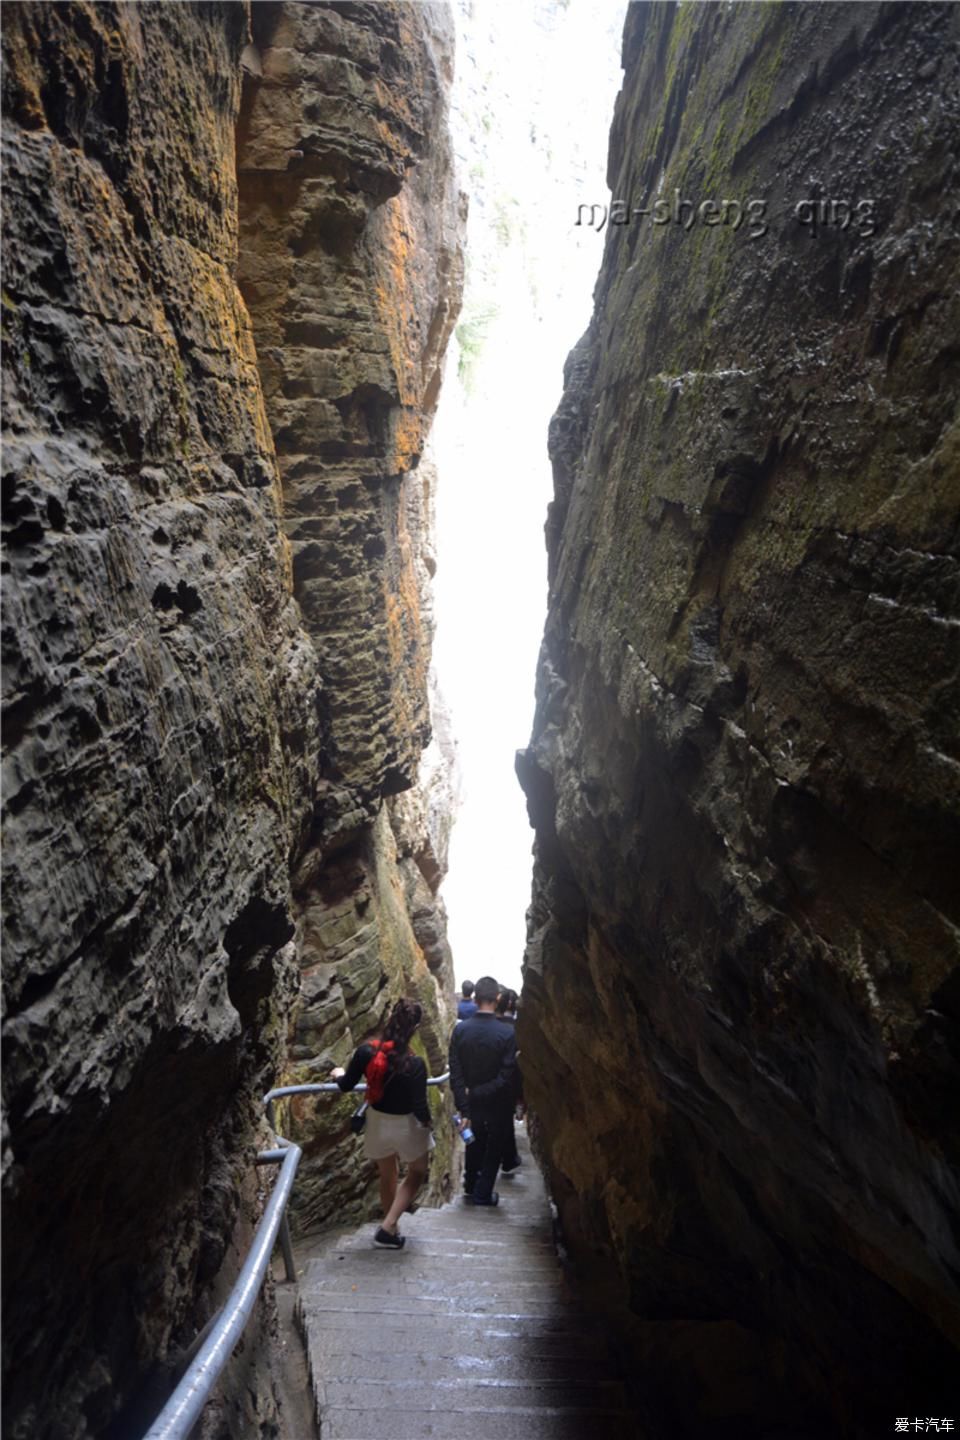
(403, 1135)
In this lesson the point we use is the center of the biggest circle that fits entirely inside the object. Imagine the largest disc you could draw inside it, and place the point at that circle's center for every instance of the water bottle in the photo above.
(464, 1131)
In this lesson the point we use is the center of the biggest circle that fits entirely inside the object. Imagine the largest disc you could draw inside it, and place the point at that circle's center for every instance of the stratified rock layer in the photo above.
(182, 751)
(160, 725)
(741, 994)
(352, 270)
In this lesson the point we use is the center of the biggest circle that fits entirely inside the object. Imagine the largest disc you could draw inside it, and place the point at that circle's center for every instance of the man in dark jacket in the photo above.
(466, 1006)
(483, 1075)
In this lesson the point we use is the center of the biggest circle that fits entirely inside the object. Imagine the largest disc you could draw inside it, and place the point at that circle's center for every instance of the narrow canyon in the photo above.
(234, 262)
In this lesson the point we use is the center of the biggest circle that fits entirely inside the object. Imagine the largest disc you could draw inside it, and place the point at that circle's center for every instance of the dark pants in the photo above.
(511, 1158)
(492, 1126)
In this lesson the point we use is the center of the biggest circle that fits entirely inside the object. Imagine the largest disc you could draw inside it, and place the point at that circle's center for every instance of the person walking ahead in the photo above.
(467, 1005)
(483, 1076)
(397, 1126)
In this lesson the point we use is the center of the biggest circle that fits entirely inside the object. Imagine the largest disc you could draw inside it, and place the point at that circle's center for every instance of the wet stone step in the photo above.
(360, 1364)
(457, 1242)
(510, 1207)
(469, 1221)
(490, 1342)
(563, 1320)
(524, 1423)
(470, 1332)
(437, 1234)
(430, 1265)
(442, 1255)
(397, 1280)
(422, 1286)
(392, 1311)
(453, 1396)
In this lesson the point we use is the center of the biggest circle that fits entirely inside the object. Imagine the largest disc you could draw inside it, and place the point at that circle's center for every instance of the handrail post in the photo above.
(212, 1347)
(286, 1243)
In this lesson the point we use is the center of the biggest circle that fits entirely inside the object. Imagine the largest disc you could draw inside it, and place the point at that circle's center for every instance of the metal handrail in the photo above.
(182, 1411)
(327, 1087)
(324, 1087)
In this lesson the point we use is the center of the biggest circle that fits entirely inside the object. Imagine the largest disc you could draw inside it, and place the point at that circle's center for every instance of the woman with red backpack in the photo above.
(397, 1120)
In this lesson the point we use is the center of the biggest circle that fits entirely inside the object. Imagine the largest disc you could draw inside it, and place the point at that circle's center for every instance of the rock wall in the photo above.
(185, 743)
(739, 1022)
(352, 271)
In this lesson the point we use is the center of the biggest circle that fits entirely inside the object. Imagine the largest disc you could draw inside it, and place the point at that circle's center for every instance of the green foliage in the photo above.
(471, 336)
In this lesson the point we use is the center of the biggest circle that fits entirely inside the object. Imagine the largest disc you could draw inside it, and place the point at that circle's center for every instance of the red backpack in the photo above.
(376, 1071)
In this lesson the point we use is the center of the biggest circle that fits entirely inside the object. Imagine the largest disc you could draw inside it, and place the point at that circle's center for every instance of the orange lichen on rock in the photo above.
(347, 260)
(397, 314)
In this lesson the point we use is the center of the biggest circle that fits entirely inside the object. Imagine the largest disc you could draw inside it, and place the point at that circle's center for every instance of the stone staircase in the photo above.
(469, 1333)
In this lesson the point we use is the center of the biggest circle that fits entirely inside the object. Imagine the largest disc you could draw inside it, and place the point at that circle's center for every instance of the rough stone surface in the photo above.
(182, 750)
(741, 994)
(159, 721)
(479, 1331)
(352, 270)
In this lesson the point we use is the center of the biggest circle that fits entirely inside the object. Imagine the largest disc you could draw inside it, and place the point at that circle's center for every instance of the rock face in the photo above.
(352, 270)
(195, 763)
(741, 989)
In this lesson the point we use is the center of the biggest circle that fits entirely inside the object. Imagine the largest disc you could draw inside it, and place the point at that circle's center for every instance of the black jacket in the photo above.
(405, 1092)
(483, 1062)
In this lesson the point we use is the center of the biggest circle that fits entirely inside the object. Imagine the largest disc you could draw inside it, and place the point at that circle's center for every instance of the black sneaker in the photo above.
(388, 1241)
(493, 1199)
(509, 1169)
